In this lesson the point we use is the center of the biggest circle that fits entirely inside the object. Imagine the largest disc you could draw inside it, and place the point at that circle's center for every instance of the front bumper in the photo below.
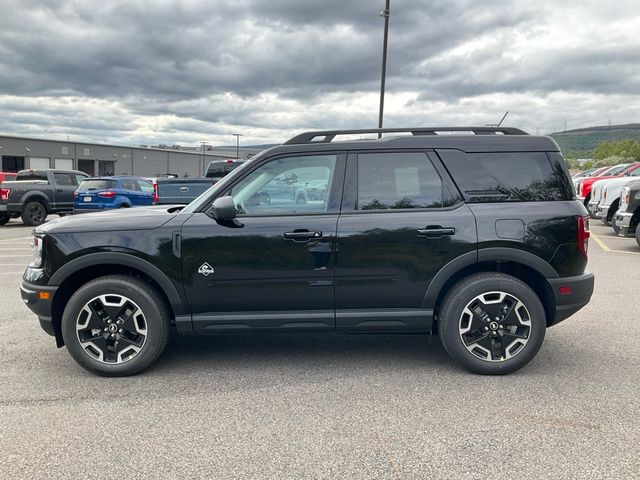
(39, 299)
(570, 294)
(623, 220)
(602, 212)
(592, 208)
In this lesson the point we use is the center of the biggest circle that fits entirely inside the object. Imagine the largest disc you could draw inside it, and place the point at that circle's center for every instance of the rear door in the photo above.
(64, 186)
(402, 220)
(146, 192)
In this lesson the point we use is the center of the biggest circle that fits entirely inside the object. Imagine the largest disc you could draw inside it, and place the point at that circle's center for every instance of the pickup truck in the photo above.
(34, 194)
(174, 191)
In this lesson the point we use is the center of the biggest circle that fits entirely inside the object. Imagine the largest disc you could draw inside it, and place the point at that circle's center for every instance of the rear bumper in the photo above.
(571, 294)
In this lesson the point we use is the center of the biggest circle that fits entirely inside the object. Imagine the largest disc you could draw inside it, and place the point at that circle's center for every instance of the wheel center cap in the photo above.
(113, 328)
(493, 325)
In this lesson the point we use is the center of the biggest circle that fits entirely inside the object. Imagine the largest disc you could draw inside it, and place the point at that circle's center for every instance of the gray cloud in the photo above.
(178, 70)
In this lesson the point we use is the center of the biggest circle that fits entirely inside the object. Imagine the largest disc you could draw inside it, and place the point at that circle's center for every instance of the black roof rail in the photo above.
(329, 135)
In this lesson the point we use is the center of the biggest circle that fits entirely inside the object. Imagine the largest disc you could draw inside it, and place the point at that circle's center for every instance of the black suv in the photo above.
(472, 233)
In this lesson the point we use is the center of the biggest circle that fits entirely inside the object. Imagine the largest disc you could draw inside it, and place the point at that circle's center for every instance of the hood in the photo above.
(122, 219)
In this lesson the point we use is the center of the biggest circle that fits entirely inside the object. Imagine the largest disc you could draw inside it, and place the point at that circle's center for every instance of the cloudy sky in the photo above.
(159, 71)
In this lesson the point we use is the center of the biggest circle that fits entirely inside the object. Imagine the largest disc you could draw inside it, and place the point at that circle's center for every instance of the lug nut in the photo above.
(109, 321)
(106, 329)
(113, 335)
(486, 328)
(121, 331)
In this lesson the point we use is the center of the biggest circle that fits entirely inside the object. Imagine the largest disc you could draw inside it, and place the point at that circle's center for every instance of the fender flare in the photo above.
(35, 196)
(176, 301)
(484, 255)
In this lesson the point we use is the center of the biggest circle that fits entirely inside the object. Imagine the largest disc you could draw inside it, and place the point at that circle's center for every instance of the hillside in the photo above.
(579, 142)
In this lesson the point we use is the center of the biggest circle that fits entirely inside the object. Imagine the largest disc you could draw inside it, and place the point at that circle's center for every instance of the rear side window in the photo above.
(32, 175)
(130, 185)
(97, 185)
(145, 186)
(504, 176)
(63, 179)
(398, 181)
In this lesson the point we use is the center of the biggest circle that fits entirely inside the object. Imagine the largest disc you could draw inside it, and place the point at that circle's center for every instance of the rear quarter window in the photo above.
(507, 176)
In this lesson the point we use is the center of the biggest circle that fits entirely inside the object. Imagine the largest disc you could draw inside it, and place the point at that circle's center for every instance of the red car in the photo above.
(583, 189)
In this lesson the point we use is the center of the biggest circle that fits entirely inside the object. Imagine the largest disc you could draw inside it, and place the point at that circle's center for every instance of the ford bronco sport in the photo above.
(473, 233)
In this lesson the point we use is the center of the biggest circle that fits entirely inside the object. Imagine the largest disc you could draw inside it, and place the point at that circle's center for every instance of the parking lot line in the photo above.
(14, 256)
(600, 243)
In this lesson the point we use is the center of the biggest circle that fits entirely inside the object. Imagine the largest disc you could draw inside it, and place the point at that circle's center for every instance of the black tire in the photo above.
(586, 202)
(4, 218)
(638, 235)
(33, 214)
(614, 225)
(453, 320)
(96, 352)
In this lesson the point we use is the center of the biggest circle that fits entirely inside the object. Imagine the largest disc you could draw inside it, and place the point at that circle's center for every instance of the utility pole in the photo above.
(237, 135)
(385, 13)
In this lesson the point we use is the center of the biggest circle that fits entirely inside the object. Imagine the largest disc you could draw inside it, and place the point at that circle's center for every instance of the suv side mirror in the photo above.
(222, 209)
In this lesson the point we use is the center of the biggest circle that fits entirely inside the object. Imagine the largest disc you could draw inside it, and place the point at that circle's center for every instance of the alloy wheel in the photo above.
(495, 326)
(111, 329)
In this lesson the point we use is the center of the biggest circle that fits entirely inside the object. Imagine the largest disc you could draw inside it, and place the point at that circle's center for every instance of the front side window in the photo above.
(398, 181)
(290, 185)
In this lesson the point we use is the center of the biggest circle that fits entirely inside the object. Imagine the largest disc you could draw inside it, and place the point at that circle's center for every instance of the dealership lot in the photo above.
(329, 406)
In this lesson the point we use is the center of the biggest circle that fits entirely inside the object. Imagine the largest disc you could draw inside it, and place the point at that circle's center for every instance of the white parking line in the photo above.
(14, 256)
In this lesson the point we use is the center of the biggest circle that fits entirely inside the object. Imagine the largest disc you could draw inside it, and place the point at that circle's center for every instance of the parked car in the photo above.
(476, 237)
(627, 217)
(179, 191)
(316, 190)
(610, 197)
(5, 176)
(583, 189)
(218, 169)
(34, 194)
(105, 193)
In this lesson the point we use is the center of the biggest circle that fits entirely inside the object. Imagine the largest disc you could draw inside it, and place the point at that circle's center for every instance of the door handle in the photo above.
(302, 235)
(436, 231)
(59, 190)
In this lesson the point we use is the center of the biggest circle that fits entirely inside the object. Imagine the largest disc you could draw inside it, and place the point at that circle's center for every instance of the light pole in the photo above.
(237, 135)
(385, 14)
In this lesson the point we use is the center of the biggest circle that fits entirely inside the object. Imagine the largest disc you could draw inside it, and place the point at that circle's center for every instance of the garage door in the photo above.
(38, 163)
(64, 163)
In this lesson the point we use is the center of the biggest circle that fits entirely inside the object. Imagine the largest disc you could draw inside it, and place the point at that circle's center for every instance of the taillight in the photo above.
(583, 235)
(107, 194)
(4, 193)
(156, 197)
(75, 194)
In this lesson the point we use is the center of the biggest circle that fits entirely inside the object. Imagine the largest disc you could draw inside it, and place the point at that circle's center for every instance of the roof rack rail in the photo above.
(327, 136)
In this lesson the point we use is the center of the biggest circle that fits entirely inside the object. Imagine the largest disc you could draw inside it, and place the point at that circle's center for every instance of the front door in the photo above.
(401, 223)
(273, 268)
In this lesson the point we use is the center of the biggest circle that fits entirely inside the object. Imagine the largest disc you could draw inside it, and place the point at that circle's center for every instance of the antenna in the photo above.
(504, 116)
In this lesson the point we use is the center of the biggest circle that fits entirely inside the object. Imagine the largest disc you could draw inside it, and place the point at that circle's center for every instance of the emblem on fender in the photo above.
(206, 269)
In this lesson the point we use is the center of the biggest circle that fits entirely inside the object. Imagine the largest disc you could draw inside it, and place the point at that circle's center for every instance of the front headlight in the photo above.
(36, 247)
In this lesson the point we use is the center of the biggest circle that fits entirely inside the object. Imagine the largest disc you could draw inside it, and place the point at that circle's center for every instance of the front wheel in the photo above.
(492, 323)
(614, 225)
(115, 325)
(638, 235)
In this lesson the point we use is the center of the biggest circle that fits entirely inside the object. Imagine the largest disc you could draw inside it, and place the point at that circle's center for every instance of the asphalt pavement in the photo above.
(328, 406)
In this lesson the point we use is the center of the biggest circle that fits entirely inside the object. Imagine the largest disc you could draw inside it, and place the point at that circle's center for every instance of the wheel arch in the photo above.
(36, 196)
(524, 266)
(84, 269)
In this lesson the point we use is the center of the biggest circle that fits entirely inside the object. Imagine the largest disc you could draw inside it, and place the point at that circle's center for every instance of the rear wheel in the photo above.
(4, 218)
(492, 323)
(115, 326)
(34, 213)
(638, 236)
